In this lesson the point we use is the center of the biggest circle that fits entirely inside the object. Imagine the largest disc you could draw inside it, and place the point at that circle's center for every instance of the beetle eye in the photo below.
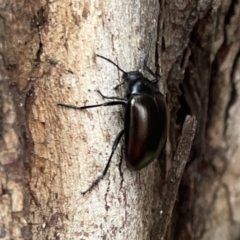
(126, 77)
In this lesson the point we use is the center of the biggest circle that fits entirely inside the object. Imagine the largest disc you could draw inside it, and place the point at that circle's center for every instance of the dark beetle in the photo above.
(145, 124)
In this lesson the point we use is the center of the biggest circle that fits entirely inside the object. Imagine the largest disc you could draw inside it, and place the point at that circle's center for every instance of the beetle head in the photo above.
(127, 76)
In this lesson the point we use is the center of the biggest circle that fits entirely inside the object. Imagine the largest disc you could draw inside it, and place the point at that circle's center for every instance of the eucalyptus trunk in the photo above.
(50, 154)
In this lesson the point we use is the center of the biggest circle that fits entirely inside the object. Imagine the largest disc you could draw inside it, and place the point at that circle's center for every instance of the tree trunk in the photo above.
(50, 154)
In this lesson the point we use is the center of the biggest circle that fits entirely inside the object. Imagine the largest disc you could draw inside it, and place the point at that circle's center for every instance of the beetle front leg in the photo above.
(106, 97)
(114, 146)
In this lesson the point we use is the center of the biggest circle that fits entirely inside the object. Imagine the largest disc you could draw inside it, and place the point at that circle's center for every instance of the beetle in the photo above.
(145, 124)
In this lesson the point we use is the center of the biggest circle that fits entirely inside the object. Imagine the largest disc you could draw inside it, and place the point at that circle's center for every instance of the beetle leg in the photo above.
(93, 106)
(119, 85)
(103, 96)
(114, 146)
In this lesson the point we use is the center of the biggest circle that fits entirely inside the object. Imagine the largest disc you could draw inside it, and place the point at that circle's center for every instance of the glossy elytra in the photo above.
(145, 124)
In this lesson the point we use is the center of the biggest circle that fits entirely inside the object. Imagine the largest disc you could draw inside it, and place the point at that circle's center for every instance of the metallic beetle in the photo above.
(145, 125)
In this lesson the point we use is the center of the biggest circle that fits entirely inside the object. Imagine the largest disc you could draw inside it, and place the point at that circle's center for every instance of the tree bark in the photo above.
(50, 154)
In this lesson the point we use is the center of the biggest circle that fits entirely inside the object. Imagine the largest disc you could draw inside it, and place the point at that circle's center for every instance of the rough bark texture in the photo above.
(209, 195)
(49, 154)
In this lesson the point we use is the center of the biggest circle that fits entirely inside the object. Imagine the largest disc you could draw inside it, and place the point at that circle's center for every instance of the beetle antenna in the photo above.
(145, 59)
(148, 50)
(107, 59)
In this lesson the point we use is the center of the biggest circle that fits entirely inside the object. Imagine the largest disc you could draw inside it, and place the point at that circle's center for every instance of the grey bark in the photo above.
(48, 155)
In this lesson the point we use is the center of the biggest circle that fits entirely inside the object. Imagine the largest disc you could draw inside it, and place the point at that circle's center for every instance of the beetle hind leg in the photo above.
(114, 146)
